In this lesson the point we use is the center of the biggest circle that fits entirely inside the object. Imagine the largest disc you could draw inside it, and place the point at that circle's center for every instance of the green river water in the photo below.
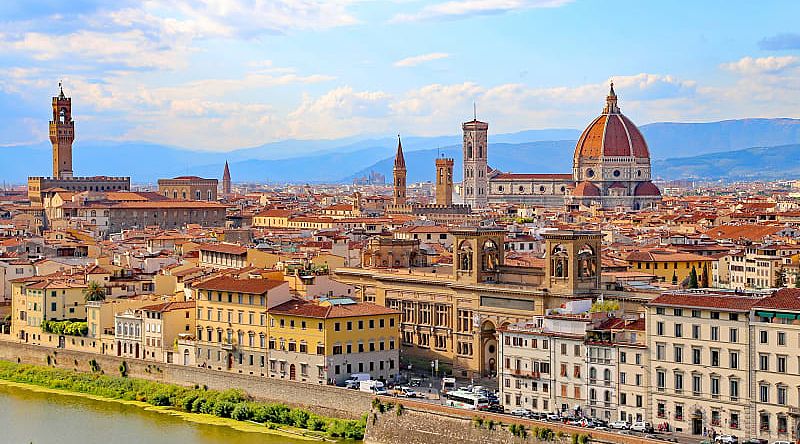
(44, 418)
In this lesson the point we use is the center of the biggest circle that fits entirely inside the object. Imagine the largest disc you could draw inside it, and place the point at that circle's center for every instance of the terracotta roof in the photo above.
(611, 134)
(251, 286)
(189, 204)
(783, 299)
(274, 213)
(586, 189)
(665, 256)
(298, 307)
(703, 300)
(646, 189)
(170, 306)
(224, 248)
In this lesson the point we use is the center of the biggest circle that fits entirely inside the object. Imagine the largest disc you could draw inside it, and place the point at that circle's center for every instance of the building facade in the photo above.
(189, 188)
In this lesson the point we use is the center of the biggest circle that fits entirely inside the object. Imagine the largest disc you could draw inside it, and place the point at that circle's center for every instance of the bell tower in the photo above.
(399, 172)
(444, 181)
(475, 185)
(572, 261)
(62, 134)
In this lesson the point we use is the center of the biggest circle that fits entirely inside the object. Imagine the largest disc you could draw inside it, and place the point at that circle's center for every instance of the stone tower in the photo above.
(444, 181)
(572, 261)
(399, 172)
(62, 134)
(226, 180)
(478, 254)
(475, 187)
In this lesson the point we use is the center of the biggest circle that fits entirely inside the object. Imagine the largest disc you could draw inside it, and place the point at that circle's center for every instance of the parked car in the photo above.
(520, 412)
(619, 425)
(781, 442)
(642, 426)
(406, 392)
(539, 416)
(495, 408)
(553, 417)
(756, 441)
(726, 439)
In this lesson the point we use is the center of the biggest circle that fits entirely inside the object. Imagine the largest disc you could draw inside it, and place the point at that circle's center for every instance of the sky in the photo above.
(226, 74)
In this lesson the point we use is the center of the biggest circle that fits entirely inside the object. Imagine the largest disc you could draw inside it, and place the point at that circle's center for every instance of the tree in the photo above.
(693, 278)
(94, 292)
(797, 280)
(704, 279)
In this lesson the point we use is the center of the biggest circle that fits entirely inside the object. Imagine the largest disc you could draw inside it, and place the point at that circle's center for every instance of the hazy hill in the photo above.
(341, 159)
(777, 162)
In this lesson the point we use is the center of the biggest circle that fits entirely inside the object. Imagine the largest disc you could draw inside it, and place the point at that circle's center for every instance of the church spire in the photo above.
(226, 180)
(611, 101)
(399, 160)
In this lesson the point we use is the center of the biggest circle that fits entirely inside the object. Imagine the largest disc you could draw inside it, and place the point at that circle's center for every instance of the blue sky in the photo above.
(220, 75)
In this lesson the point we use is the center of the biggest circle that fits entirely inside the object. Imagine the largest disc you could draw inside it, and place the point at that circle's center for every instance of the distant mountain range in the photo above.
(715, 150)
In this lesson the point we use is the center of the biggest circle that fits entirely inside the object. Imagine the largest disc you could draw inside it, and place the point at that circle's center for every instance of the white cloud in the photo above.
(416, 60)
(467, 8)
(761, 65)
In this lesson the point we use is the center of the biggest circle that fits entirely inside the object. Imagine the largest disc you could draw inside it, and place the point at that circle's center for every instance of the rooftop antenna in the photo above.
(474, 112)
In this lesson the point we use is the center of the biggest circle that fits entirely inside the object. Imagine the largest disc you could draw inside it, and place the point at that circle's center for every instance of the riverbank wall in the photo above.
(323, 400)
(422, 423)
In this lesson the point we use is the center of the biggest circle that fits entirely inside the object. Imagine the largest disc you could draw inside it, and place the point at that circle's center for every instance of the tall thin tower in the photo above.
(62, 134)
(399, 172)
(226, 180)
(475, 185)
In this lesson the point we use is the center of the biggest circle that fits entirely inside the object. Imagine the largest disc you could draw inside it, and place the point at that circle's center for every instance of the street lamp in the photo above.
(432, 365)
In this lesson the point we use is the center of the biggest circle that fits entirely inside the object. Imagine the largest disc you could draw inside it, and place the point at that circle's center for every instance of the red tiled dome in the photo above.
(586, 189)
(646, 189)
(611, 134)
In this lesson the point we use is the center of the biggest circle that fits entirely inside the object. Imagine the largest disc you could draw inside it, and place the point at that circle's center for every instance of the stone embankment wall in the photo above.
(422, 423)
(324, 400)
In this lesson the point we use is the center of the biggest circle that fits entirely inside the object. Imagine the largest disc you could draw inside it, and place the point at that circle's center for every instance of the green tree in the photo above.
(693, 283)
(704, 279)
(94, 292)
(797, 280)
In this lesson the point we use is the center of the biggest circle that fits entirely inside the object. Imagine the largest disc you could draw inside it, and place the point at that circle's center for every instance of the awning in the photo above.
(786, 316)
(765, 314)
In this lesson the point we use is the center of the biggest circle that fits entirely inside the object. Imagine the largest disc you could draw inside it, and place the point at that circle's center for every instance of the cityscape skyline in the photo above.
(224, 76)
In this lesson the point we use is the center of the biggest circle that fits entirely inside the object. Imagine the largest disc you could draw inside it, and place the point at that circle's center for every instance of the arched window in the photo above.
(587, 262)
(490, 256)
(480, 151)
(469, 150)
(465, 257)
(559, 262)
(607, 375)
(592, 373)
(62, 115)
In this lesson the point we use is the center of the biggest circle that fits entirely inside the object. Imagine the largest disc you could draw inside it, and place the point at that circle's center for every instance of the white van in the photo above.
(374, 387)
(353, 381)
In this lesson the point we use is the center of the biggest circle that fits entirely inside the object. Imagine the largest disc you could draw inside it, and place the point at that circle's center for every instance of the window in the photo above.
(763, 362)
(695, 313)
(762, 337)
(733, 316)
(781, 338)
(734, 359)
(695, 356)
(678, 330)
(678, 382)
(763, 393)
(660, 328)
(677, 312)
(781, 361)
(661, 379)
(781, 395)
(734, 335)
(696, 385)
(715, 333)
(714, 386)
(660, 352)
(660, 310)
(734, 389)
(715, 358)
(623, 357)
(714, 315)
(678, 353)
(563, 349)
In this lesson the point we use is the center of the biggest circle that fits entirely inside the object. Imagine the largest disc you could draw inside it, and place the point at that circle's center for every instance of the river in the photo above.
(44, 418)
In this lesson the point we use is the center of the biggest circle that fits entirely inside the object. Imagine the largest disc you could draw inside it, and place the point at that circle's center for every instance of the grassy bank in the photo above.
(233, 404)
